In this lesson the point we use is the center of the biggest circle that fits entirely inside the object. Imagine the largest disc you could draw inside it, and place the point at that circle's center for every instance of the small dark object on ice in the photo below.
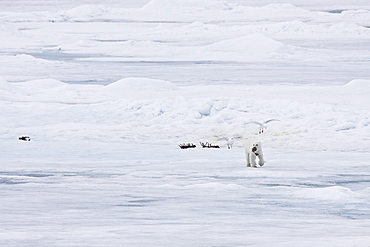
(24, 138)
(185, 146)
(208, 145)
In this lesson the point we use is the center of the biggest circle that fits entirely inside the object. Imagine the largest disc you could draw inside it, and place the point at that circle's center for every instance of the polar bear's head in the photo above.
(256, 148)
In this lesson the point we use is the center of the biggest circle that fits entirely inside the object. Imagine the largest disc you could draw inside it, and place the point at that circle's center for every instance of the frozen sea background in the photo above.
(108, 90)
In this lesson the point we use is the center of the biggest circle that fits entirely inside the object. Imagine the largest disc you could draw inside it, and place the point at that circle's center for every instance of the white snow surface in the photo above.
(107, 91)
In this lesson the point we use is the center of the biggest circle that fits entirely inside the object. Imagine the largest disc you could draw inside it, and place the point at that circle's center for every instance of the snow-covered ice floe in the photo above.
(103, 166)
(105, 93)
(89, 193)
(203, 41)
(155, 111)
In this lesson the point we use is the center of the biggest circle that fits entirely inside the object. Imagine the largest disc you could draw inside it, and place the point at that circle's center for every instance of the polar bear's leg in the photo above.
(261, 160)
(247, 155)
(249, 160)
(247, 149)
(253, 160)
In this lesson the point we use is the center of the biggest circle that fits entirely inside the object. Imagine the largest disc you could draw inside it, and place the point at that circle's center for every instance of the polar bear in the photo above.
(253, 153)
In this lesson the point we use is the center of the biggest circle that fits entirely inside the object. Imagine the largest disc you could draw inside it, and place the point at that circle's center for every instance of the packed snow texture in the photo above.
(108, 92)
(142, 110)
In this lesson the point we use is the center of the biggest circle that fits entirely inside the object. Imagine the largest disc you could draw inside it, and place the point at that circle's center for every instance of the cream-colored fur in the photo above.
(254, 154)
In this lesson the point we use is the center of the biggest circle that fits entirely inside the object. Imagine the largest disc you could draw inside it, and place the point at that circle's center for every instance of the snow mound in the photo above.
(40, 85)
(252, 44)
(193, 4)
(359, 84)
(85, 11)
(284, 9)
(31, 59)
(25, 57)
(5, 86)
(312, 28)
(333, 193)
(282, 6)
(141, 84)
(51, 90)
